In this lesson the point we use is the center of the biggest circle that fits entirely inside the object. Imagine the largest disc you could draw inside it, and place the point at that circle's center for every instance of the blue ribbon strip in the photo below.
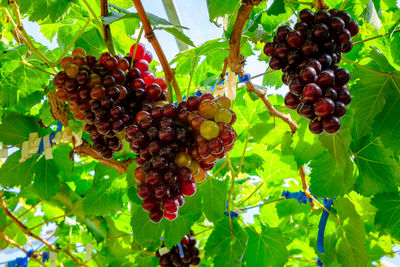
(233, 214)
(300, 196)
(180, 250)
(45, 256)
(51, 137)
(20, 262)
(322, 225)
(245, 78)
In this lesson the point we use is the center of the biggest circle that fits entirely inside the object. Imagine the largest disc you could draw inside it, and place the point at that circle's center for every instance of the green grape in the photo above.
(71, 70)
(183, 159)
(209, 130)
(223, 115)
(194, 167)
(207, 108)
(94, 79)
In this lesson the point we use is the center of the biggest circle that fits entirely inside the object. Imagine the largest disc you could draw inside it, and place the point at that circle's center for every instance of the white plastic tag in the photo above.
(89, 249)
(53, 257)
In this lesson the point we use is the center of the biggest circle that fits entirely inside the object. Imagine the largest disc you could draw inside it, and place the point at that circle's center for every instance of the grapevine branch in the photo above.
(106, 28)
(169, 74)
(15, 244)
(376, 37)
(305, 186)
(29, 233)
(236, 60)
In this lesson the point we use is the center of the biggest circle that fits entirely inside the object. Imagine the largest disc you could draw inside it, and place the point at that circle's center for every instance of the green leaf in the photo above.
(374, 92)
(351, 243)
(378, 172)
(220, 8)
(266, 249)
(332, 173)
(105, 196)
(46, 178)
(387, 216)
(13, 173)
(277, 8)
(21, 86)
(54, 9)
(225, 246)
(157, 23)
(143, 228)
(213, 193)
(15, 129)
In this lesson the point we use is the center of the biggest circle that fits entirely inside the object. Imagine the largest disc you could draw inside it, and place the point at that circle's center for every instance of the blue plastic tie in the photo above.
(51, 137)
(20, 262)
(322, 225)
(245, 78)
(300, 196)
(180, 250)
(319, 262)
(45, 256)
(233, 214)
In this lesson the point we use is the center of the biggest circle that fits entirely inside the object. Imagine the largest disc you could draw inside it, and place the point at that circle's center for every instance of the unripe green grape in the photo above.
(223, 115)
(194, 167)
(183, 159)
(209, 130)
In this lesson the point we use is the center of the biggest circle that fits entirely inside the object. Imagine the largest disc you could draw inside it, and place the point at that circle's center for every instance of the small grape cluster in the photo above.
(173, 258)
(106, 93)
(308, 55)
(211, 119)
(176, 146)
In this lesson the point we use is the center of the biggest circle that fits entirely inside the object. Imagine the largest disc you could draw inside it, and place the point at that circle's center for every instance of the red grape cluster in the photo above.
(211, 119)
(173, 257)
(308, 55)
(106, 93)
(176, 146)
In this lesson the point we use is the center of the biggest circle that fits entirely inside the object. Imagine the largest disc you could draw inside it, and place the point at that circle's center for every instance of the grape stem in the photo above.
(36, 68)
(72, 43)
(343, 5)
(26, 231)
(106, 28)
(306, 187)
(169, 74)
(136, 46)
(50, 220)
(99, 23)
(20, 29)
(376, 37)
(320, 4)
(191, 75)
(236, 60)
(293, 11)
(300, 3)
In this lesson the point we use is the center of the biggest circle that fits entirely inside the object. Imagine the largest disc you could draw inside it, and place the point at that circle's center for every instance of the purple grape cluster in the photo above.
(165, 169)
(173, 258)
(106, 93)
(308, 55)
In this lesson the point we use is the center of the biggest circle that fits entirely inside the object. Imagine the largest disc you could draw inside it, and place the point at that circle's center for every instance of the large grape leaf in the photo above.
(332, 173)
(376, 90)
(15, 128)
(213, 193)
(13, 173)
(46, 178)
(350, 248)
(21, 85)
(387, 216)
(266, 249)
(225, 246)
(378, 172)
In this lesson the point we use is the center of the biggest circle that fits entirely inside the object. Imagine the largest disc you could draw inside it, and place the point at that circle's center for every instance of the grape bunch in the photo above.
(176, 146)
(106, 93)
(173, 257)
(308, 55)
(165, 172)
